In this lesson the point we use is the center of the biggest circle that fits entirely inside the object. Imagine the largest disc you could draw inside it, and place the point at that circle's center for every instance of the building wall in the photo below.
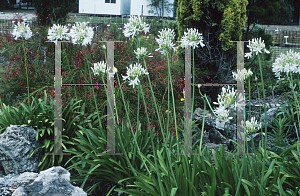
(100, 7)
(125, 7)
(136, 8)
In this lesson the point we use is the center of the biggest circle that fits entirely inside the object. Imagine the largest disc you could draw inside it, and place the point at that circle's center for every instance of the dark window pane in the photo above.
(107, 1)
(113, 1)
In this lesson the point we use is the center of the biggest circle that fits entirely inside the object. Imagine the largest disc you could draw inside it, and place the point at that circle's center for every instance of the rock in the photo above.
(11, 182)
(271, 114)
(16, 144)
(54, 181)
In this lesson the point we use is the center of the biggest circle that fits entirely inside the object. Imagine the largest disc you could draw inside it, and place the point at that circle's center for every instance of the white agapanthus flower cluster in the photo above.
(133, 74)
(81, 33)
(58, 33)
(252, 126)
(135, 25)
(192, 37)
(100, 69)
(241, 75)
(222, 113)
(225, 100)
(256, 46)
(289, 62)
(165, 39)
(22, 30)
(141, 52)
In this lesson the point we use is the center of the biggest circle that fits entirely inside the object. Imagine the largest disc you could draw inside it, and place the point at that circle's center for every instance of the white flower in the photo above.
(164, 40)
(222, 113)
(22, 30)
(135, 25)
(81, 34)
(256, 46)
(252, 126)
(241, 74)
(100, 69)
(133, 74)
(289, 62)
(193, 38)
(141, 52)
(227, 97)
(57, 32)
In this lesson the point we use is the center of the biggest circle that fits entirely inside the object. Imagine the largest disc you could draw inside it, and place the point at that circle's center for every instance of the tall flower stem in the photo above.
(87, 62)
(174, 112)
(26, 67)
(193, 80)
(161, 128)
(295, 96)
(249, 98)
(265, 150)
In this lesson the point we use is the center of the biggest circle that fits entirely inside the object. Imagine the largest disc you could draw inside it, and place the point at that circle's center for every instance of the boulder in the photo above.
(11, 182)
(54, 181)
(16, 144)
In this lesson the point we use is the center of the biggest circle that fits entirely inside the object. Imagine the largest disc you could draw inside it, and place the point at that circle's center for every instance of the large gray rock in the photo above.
(54, 181)
(11, 182)
(16, 144)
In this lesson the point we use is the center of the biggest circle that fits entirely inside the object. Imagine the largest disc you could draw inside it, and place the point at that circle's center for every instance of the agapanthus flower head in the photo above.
(222, 113)
(165, 39)
(101, 69)
(252, 126)
(141, 52)
(135, 25)
(256, 46)
(22, 30)
(241, 75)
(58, 33)
(226, 98)
(289, 62)
(133, 74)
(192, 37)
(81, 33)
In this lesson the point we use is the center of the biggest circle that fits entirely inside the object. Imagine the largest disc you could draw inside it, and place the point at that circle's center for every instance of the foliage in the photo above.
(229, 175)
(51, 12)
(218, 21)
(279, 135)
(98, 168)
(40, 115)
(288, 110)
(229, 15)
(3, 4)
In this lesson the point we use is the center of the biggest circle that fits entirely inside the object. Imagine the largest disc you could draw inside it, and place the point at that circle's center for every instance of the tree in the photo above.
(54, 11)
(3, 4)
(160, 6)
(219, 21)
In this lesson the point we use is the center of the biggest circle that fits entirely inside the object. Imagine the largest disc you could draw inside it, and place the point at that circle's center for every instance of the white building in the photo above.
(122, 7)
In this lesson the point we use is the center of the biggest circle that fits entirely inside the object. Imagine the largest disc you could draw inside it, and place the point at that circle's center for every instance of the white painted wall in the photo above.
(100, 7)
(136, 8)
(125, 7)
(121, 7)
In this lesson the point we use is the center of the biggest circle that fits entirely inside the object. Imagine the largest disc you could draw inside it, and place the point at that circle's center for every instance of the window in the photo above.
(110, 1)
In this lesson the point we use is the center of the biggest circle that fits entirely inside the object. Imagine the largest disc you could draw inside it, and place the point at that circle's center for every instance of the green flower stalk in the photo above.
(256, 47)
(22, 30)
(164, 40)
(194, 38)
